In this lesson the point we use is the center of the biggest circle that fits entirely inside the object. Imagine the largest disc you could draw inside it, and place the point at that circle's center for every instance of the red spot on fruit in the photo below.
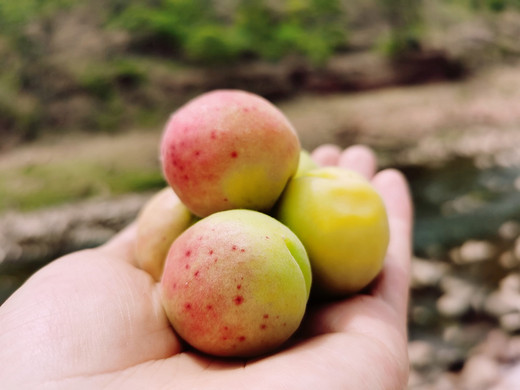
(263, 326)
(196, 273)
(213, 134)
(209, 307)
(239, 299)
(215, 260)
(239, 286)
(188, 253)
(197, 153)
(211, 251)
(187, 266)
(242, 338)
(234, 247)
(267, 237)
(185, 177)
(242, 250)
(187, 306)
(266, 316)
(225, 200)
(234, 154)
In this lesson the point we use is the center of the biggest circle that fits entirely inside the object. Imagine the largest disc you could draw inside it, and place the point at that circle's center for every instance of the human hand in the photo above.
(92, 320)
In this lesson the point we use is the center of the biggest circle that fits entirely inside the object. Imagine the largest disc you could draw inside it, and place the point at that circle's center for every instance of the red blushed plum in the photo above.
(236, 284)
(229, 149)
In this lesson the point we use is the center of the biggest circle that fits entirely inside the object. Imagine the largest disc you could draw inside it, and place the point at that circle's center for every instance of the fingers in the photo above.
(359, 158)
(326, 155)
(393, 284)
(121, 246)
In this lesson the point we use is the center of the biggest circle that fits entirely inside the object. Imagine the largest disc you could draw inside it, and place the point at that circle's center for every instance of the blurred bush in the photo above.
(104, 65)
(199, 31)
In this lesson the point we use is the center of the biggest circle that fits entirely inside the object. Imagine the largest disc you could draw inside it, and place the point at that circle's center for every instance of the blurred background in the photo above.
(432, 85)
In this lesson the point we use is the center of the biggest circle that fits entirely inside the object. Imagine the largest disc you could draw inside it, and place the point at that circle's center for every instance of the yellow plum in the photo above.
(342, 222)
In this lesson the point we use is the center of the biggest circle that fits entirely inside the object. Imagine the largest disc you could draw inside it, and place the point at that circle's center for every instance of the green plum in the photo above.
(306, 163)
(342, 222)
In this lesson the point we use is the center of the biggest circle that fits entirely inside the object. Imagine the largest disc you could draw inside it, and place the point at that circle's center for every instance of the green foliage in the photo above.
(404, 19)
(193, 30)
(311, 28)
(488, 5)
(35, 186)
(97, 83)
(125, 80)
(399, 42)
(167, 25)
(148, 25)
(501, 5)
(128, 73)
(110, 116)
(213, 43)
(17, 114)
(101, 81)
(15, 14)
(496, 5)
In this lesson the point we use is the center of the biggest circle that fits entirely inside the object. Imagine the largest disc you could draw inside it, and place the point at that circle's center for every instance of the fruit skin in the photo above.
(228, 149)
(236, 283)
(342, 222)
(161, 220)
(305, 164)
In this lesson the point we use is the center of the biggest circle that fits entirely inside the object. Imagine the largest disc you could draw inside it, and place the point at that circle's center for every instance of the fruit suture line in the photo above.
(235, 281)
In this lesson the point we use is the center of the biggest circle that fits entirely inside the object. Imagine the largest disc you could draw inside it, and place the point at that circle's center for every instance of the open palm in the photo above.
(93, 320)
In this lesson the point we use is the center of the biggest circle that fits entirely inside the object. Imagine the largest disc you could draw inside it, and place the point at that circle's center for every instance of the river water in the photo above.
(457, 201)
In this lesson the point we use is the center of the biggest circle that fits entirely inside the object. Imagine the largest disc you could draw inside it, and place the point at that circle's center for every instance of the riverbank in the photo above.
(419, 125)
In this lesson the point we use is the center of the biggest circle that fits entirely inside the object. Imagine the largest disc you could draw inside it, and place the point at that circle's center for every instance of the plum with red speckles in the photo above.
(159, 222)
(229, 149)
(252, 299)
